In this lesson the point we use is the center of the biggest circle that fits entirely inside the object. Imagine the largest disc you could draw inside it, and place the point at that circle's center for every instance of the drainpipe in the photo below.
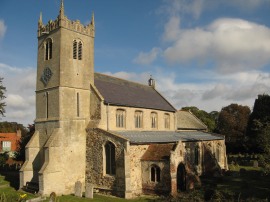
(108, 118)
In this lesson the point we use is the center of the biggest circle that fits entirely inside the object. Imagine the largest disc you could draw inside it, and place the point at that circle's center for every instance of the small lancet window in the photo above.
(47, 104)
(138, 119)
(78, 104)
(110, 158)
(153, 120)
(48, 49)
(120, 118)
(155, 173)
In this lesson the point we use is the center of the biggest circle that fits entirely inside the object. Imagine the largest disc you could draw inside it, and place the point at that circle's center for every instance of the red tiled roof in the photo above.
(157, 152)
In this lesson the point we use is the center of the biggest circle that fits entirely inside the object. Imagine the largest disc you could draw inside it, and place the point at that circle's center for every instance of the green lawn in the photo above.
(12, 195)
(241, 182)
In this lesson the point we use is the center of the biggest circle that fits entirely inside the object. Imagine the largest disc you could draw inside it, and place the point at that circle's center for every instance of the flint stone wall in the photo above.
(95, 162)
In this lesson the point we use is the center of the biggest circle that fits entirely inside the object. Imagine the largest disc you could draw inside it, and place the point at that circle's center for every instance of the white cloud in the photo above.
(20, 94)
(147, 58)
(193, 8)
(3, 28)
(172, 29)
(232, 45)
(247, 4)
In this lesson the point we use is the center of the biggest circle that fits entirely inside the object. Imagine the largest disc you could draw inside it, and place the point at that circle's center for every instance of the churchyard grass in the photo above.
(240, 183)
(244, 182)
(8, 193)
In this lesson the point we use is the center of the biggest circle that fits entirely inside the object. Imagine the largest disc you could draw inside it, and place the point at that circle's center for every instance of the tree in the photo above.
(12, 127)
(232, 122)
(209, 119)
(20, 153)
(2, 96)
(259, 125)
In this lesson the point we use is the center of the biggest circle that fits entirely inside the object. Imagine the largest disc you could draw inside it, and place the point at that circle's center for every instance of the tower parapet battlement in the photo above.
(63, 21)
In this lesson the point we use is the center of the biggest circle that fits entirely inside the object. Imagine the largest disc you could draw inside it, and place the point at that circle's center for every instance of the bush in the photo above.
(3, 158)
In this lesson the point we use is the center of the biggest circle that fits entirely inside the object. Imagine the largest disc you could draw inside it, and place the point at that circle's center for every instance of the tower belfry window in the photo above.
(80, 51)
(48, 49)
(77, 50)
(74, 49)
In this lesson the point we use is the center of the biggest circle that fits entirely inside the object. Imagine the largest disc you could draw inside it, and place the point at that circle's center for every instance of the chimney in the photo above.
(19, 133)
(151, 82)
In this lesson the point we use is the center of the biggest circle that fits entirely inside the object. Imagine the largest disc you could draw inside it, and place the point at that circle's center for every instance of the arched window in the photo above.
(155, 173)
(167, 121)
(110, 158)
(196, 155)
(153, 120)
(120, 118)
(48, 49)
(138, 119)
(77, 50)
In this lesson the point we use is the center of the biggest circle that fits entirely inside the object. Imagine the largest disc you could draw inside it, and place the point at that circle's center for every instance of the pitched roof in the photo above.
(157, 152)
(188, 121)
(142, 137)
(126, 93)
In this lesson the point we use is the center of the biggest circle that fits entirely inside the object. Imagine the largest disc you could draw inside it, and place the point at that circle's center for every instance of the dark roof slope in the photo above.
(126, 93)
(157, 152)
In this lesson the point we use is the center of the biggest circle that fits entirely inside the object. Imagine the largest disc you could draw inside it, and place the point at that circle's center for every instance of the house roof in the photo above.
(157, 152)
(126, 93)
(188, 121)
(142, 137)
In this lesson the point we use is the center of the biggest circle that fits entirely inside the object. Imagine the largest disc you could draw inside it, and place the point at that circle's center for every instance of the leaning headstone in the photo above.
(52, 197)
(89, 191)
(78, 189)
(255, 164)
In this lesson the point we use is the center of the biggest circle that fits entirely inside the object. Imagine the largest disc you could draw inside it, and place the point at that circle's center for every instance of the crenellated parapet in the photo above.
(63, 22)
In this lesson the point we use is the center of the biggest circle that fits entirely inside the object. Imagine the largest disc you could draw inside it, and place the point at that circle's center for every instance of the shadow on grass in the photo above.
(246, 183)
(13, 177)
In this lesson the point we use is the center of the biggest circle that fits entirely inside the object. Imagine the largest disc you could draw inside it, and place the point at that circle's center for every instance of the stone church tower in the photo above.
(55, 156)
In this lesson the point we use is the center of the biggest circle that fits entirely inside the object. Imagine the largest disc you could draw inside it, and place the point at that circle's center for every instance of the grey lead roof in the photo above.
(126, 93)
(140, 137)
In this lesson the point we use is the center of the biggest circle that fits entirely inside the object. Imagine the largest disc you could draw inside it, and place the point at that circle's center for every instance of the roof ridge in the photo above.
(114, 77)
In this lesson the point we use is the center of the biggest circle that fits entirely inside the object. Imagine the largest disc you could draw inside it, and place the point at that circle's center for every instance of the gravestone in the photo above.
(89, 191)
(255, 164)
(78, 189)
(52, 197)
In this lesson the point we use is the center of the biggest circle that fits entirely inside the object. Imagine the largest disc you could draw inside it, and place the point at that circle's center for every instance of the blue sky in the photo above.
(206, 53)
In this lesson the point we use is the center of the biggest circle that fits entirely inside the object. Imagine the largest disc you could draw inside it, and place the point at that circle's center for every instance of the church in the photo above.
(121, 137)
